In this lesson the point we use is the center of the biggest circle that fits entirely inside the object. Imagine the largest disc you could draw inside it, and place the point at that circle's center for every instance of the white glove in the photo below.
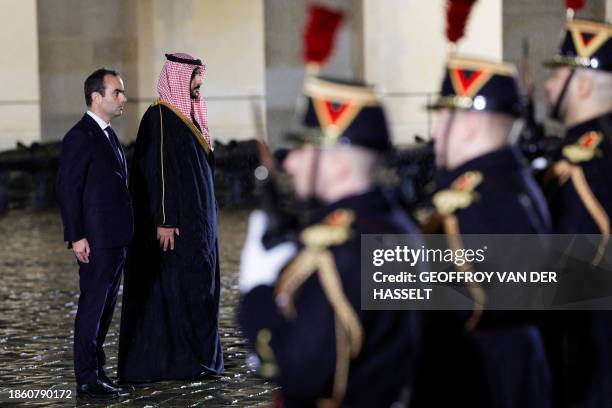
(259, 266)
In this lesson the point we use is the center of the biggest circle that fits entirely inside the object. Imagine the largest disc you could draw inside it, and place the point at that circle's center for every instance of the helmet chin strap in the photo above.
(555, 113)
(311, 201)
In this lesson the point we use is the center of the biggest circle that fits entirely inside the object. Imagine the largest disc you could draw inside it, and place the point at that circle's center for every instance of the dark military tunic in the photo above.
(170, 317)
(508, 199)
(579, 192)
(569, 211)
(302, 349)
(500, 361)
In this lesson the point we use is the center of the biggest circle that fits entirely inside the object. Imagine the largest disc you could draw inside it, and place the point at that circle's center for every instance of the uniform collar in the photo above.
(368, 202)
(598, 123)
(503, 160)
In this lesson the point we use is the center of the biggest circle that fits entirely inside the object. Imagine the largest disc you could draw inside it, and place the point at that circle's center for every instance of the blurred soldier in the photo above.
(170, 316)
(479, 105)
(580, 197)
(300, 307)
(499, 360)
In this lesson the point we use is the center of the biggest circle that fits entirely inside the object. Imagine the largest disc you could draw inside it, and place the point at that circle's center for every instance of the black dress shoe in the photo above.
(96, 390)
(122, 389)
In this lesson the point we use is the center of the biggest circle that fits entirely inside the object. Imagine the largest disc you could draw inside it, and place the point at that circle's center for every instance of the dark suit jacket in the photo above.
(92, 189)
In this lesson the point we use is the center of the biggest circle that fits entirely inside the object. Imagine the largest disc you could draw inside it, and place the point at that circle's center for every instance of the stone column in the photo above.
(405, 51)
(78, 36)
(227, 36)
(284, 23)
(19, 80)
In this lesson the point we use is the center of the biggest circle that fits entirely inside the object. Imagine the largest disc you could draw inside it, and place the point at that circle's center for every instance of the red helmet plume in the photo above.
(319, 33)
(457, 13)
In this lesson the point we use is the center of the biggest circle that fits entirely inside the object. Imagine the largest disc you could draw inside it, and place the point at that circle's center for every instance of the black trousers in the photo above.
(99, 283)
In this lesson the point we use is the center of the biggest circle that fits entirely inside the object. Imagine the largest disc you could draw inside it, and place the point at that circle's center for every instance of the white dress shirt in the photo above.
(103, 125)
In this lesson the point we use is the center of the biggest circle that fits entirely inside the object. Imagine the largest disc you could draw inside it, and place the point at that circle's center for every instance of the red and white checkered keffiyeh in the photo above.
(174, 88)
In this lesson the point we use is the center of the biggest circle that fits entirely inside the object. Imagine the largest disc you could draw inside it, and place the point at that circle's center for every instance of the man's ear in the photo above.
(95, 98)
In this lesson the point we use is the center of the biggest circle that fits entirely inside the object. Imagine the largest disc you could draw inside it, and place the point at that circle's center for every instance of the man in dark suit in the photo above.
(98, 224)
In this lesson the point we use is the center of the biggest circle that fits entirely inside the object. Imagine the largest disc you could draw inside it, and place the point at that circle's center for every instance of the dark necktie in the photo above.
(112, 137)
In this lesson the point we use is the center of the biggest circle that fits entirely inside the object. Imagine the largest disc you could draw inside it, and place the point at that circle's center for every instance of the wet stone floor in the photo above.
(38, 302)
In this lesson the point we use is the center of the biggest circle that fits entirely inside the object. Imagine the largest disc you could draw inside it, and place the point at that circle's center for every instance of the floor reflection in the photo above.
(38, 298)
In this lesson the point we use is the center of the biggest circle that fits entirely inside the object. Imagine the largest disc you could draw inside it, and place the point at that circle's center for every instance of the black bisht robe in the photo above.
(170, 316)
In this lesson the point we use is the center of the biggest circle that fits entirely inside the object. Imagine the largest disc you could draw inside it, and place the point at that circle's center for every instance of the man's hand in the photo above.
(259, 266)
(166, 237)
(81, 250)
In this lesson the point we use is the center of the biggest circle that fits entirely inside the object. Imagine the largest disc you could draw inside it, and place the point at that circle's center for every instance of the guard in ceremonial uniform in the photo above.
(579, 193)
(301, 301)
(580, 91)
(491, 358)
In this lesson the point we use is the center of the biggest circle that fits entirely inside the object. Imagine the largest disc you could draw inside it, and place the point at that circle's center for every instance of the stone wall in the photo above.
(284, 22)
(19, 92)
(78, 36)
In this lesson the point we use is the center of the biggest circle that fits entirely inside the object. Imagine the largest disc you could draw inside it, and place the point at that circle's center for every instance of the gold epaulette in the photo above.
(585, 148)
(335, 229)
(562, 171)
(460, 195)
(317, 258)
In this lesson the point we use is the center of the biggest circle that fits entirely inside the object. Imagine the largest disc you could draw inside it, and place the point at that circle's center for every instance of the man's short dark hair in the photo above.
(95, 83)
